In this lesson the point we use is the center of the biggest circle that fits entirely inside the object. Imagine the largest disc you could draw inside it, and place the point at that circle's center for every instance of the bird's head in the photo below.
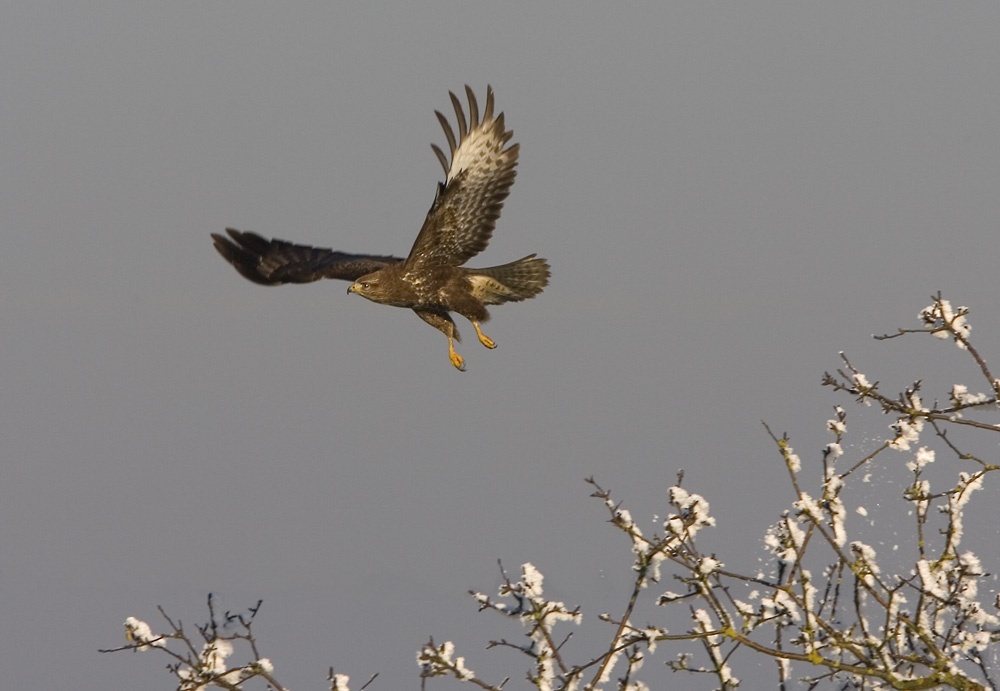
(369, 286)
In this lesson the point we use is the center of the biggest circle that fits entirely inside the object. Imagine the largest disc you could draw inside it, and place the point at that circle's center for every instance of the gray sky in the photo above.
(729, 194)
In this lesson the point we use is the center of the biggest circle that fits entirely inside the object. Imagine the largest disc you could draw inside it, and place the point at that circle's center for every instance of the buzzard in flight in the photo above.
(431, 280)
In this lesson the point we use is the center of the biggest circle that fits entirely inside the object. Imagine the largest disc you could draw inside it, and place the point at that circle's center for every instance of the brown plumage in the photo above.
(431, 279)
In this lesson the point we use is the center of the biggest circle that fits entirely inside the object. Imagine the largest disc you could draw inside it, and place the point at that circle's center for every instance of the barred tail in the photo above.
(512, 282)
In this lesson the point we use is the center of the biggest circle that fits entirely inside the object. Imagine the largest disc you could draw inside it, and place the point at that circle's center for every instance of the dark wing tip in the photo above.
(459, 115)
(448, 132)
(473, 108)
(441, 157)
(488, 113)
(241, 254)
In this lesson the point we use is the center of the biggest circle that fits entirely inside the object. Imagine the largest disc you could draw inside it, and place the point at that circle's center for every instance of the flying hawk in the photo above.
(431, 279)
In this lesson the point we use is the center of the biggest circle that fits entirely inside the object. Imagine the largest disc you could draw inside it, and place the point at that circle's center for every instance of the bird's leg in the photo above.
(456, 359)
(483, 338)
(442, 321)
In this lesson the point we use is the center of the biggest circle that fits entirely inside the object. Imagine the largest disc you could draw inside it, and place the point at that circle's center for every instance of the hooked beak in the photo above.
(350, 288)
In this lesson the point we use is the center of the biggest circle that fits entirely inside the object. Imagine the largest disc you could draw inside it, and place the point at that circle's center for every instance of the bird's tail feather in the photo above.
(512, 282)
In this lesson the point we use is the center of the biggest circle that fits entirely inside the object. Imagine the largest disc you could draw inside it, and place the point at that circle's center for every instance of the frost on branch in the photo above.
(197, 665)
(943, 321)
(525, 601)
(438, 661)
(138, 631)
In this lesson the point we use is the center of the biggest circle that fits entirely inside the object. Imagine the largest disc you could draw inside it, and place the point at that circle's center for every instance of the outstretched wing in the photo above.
(273, 262)
(478, 179)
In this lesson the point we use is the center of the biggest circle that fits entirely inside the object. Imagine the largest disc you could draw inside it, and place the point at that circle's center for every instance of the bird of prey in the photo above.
(431, 279)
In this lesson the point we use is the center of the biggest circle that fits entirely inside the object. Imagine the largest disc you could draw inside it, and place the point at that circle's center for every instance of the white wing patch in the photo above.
(481, 151)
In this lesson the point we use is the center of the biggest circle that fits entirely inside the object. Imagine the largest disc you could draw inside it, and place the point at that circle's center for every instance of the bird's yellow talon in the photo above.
(483, 338)
(456, 359)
